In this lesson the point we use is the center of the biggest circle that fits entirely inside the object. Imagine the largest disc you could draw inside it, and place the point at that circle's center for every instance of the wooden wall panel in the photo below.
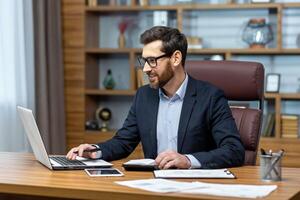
(74, 87)
(74, 72)
(73, 44)
(73, 55)
(74, 103)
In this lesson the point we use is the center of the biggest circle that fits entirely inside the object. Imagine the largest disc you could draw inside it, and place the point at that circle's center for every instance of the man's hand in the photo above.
(79, 151)
(168, 159)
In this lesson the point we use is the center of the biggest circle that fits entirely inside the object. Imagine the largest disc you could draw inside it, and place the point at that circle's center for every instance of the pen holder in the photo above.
(270, 167)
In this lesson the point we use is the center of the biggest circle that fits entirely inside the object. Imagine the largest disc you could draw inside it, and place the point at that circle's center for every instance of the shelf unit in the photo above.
(83, 53)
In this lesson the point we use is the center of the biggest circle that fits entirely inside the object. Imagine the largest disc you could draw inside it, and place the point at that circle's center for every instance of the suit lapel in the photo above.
(153, 111)
(186, 111)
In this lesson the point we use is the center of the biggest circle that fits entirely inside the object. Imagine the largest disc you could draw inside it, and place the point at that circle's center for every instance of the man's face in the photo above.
(162, 72)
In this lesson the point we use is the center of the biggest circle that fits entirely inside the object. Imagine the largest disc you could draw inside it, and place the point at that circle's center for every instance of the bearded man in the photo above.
(181, 122)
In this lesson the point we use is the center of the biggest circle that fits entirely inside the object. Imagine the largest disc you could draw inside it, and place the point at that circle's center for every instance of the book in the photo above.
(92, 2)
(289, 126)
(140, 165)
(269, 125)
(289, 117)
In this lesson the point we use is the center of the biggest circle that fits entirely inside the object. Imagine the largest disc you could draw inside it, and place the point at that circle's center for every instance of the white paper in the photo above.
(141, 162)
(228, 190)
(158, 185)
(232, 190)
(194, 173)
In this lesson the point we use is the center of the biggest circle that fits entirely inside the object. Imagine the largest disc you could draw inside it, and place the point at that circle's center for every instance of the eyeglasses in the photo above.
(152, 61)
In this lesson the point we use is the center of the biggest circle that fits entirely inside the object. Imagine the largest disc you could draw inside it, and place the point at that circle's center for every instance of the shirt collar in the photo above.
(180, 92)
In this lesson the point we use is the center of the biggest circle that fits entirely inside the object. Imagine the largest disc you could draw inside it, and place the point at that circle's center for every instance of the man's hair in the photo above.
(171, 38)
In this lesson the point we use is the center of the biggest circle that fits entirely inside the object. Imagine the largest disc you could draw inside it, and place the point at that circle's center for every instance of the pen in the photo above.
(270, 152)
(89, 150)
(262, 151)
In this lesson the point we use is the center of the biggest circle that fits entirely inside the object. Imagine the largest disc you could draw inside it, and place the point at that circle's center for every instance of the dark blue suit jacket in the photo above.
(206, 129)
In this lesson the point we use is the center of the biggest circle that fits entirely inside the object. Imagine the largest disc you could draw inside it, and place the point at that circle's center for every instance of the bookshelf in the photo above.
(90, 48)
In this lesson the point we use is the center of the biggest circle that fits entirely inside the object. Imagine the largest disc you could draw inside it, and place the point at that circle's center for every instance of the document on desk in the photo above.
(158, 185)
(228, 190)
(232, 190)
(194, 173)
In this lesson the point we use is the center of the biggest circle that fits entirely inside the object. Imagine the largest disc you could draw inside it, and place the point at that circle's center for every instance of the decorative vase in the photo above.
(257, 33)
(122, 41)
(109, 82)
(298, 41)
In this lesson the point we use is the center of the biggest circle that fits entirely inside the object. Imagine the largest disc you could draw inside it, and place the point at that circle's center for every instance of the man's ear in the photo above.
(177, 57)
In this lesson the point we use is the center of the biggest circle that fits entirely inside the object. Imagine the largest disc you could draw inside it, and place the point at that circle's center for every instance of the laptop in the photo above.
(53, 162)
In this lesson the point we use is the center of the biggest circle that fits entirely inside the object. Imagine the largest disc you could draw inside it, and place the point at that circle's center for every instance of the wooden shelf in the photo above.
(95, 133)
(263, 51)
(290, 96)
(291, 5)
(108, 50)
(284, 96)
(285, 140)
(230, 6)
(271, 95)
(128, 8)
(192, 6)
(98, 92)
(237, 51)
(290, 51)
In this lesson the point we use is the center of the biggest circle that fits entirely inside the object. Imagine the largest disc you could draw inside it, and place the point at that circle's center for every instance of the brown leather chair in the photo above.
(240, 81)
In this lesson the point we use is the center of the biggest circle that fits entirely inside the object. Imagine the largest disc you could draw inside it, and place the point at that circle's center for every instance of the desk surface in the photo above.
(21, 174)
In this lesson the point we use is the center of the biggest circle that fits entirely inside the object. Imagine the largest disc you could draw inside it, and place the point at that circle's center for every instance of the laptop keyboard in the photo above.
(65, 162)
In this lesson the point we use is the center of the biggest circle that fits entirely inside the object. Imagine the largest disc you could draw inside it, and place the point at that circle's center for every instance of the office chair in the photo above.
(240, 81)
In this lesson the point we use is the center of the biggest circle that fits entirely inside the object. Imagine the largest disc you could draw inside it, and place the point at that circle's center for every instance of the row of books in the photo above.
(268, 128)
(289, 126)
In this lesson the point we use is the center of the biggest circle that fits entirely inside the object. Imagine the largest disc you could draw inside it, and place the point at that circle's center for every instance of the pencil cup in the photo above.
(270, 167)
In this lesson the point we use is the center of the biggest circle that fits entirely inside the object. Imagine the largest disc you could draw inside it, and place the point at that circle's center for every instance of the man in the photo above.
(181, 122)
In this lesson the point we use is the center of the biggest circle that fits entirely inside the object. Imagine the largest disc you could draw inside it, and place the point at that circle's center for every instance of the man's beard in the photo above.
(163, 79)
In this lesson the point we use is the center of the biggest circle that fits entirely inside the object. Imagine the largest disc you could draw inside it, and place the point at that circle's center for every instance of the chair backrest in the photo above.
(240, 81)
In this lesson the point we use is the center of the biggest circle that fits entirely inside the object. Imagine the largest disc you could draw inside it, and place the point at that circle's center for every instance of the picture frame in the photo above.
(142, 78)
(273, 82)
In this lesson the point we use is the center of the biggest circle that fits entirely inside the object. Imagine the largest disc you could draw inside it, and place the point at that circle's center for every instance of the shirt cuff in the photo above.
(194, 162)
(98, 153)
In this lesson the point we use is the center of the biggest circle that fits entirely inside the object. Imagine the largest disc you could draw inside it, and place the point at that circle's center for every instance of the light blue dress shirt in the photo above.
(169, 111)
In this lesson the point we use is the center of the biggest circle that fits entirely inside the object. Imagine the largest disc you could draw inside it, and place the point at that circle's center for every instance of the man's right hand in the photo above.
(79, 151)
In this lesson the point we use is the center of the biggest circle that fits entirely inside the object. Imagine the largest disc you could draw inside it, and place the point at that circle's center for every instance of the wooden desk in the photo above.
(21, 175)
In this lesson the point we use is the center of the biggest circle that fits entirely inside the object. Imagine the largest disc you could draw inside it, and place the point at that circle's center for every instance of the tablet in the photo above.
(104, 172)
